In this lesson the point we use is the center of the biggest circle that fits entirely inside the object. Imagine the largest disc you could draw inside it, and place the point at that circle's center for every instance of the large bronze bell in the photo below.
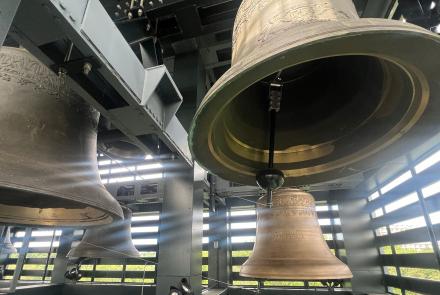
(48, 169)
(108, 241)
(289, 243)
(6, 246)
(355, 92)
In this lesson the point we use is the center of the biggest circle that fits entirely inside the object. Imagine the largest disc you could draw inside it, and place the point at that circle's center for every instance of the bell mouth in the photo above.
(330, 108)
(42, 208)
(335, 111)
(122, 149)
(370, 104)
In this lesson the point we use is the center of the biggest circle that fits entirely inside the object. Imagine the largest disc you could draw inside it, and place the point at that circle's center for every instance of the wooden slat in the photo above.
(428, 176)
(402, 214)
(420, 260)
(118, 274)
(145, 223)
(145, 235)
(139, 274)
(417, 235)
(408, 212)
(38, 261)
(34, 273)
(412, 284)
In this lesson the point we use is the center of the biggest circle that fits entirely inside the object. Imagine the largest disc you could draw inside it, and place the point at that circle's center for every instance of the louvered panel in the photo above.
(421, 260)
(412, 236)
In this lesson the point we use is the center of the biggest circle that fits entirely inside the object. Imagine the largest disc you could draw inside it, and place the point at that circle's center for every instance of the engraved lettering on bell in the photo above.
(295, 235)
(311, 13)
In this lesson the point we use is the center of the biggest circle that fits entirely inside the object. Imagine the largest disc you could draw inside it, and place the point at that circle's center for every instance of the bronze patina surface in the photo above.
(108, 241)
(356, 93)
(290, 244)
(48, 168)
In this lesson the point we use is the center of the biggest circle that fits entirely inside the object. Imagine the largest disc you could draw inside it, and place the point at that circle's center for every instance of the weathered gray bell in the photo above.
(355, 93)
(108, 241)
(6, 246)
(48, 168)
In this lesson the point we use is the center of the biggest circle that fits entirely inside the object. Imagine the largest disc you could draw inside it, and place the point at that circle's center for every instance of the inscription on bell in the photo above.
(288, 213)
(295, 235)
(295, 200)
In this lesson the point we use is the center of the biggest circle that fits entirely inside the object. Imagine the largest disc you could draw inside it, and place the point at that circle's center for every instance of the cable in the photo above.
(143, 279)
(155, 263)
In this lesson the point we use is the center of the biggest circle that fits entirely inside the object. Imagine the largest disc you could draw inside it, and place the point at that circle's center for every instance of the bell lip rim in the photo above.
(375, 27)
(111, 216)
(305, 278)
(136, 254)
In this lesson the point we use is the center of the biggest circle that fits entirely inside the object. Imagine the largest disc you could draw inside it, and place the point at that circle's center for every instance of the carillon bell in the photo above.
(354, 93)
(6, 246)
(48, 168)
(289, 243)
(108, 241)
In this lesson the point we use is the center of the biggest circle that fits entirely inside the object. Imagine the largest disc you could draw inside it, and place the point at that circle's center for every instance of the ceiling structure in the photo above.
(204, 26)
(180, 28)
(192, 34)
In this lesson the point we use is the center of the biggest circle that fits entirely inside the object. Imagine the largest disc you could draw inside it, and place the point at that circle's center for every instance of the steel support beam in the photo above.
(8, 8)
(218, 259)
(137, 101)
(189, 74)
(61, 261)
(180, 232)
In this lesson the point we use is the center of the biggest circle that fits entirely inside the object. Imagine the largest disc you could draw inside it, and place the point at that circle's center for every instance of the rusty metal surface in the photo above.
(108, 241)
(289, 243)
(48, 168)
(356, 93)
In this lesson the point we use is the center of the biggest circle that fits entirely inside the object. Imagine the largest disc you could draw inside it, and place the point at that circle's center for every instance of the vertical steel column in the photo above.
(8, 8)
(218, 248)
(21, 259)
(61, 261)
(359, 241)
(180, 232)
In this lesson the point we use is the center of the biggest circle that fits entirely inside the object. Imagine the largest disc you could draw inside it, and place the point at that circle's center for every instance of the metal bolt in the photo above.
(118, 7)
(161, 1)
(117, 14)
(87, 68)
(72, 18)
(63, 7)
(130, 15)
(151, 3)
(140, 12)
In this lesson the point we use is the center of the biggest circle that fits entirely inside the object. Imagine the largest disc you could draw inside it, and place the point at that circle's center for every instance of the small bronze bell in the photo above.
(355, 93)
(48, 168)
(108, 241)
(289, 243)
(6, 246)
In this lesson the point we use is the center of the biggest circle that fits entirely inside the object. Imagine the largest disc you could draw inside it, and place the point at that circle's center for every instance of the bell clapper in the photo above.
(271, 179)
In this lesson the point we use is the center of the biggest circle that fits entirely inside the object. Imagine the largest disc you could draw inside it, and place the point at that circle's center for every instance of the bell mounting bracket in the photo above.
(271, 179)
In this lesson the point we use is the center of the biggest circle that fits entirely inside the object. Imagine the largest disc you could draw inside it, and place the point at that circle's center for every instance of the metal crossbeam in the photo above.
(137, 101)
(8, 8)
